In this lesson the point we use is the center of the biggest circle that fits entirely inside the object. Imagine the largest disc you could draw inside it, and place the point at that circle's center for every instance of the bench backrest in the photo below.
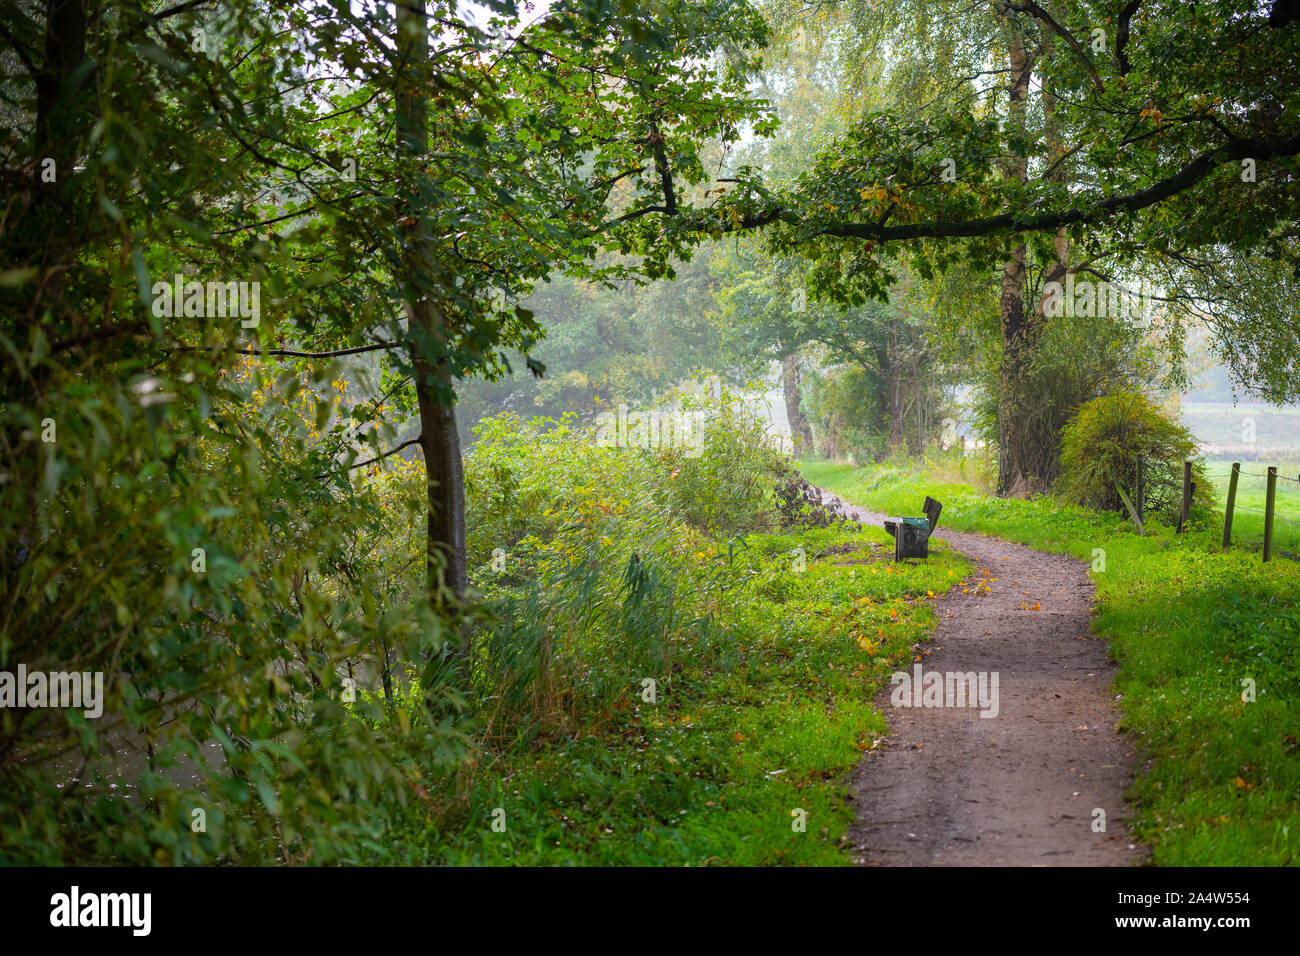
(931, 508)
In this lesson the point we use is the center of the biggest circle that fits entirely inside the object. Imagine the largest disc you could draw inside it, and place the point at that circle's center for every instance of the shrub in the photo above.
(184, 550)
(729, 486)
(612, 561)
(1102, 446)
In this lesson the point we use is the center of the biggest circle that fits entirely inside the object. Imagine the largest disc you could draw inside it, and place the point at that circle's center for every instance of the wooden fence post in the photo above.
(1187, 497)
(1270, 499)
(1232, 500)
(1140, 495)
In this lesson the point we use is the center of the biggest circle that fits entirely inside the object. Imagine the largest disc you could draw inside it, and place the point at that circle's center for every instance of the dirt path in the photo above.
(952, 788)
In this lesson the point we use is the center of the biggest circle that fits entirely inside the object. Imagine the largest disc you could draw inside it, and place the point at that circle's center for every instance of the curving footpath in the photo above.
(951, 788)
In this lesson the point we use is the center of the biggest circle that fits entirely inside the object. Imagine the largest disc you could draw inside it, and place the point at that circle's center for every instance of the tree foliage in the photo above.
(389, 180)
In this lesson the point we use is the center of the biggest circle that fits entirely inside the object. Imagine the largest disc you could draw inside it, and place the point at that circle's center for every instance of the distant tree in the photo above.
(1044, 140)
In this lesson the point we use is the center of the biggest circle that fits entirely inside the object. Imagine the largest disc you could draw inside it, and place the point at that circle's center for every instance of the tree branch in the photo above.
(1121, 36)
(178, 8)
(1049, 21)
(1184, 179)
(656, 140)
(311, 208)
(370, 461)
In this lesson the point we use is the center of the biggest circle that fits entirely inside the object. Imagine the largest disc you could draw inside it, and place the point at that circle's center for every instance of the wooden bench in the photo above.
(912, 535)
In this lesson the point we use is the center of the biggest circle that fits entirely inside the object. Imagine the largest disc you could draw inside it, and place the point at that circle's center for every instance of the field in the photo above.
(1248, 511)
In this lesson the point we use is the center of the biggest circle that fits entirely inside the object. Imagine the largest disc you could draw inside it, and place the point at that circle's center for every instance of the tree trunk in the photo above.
(1015, 409)
(897, 415)
(920, 394)
(445, 549)
(888, 392)
(1027, 439)
(50, 233)
(60, 115)
(892, 371)
(446, 561)
(800, 433)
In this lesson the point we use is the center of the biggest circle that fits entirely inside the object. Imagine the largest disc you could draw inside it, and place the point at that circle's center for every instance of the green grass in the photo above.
(1188, 623)
(712, 772)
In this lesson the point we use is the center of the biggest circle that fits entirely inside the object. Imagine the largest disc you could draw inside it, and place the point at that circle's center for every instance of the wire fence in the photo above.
(1277, 518)
(1255, 474)
(1265, 526)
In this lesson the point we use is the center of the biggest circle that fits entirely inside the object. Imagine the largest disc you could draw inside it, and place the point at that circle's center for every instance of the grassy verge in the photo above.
(765, 716)
(1189, 625)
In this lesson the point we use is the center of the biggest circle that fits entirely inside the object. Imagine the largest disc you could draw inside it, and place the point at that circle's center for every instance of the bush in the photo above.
(1103, 445)
(605, 564)
(183, 549)
(730, 485)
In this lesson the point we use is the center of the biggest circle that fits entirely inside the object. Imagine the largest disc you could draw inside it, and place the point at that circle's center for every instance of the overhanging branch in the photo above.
(1182, 180)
